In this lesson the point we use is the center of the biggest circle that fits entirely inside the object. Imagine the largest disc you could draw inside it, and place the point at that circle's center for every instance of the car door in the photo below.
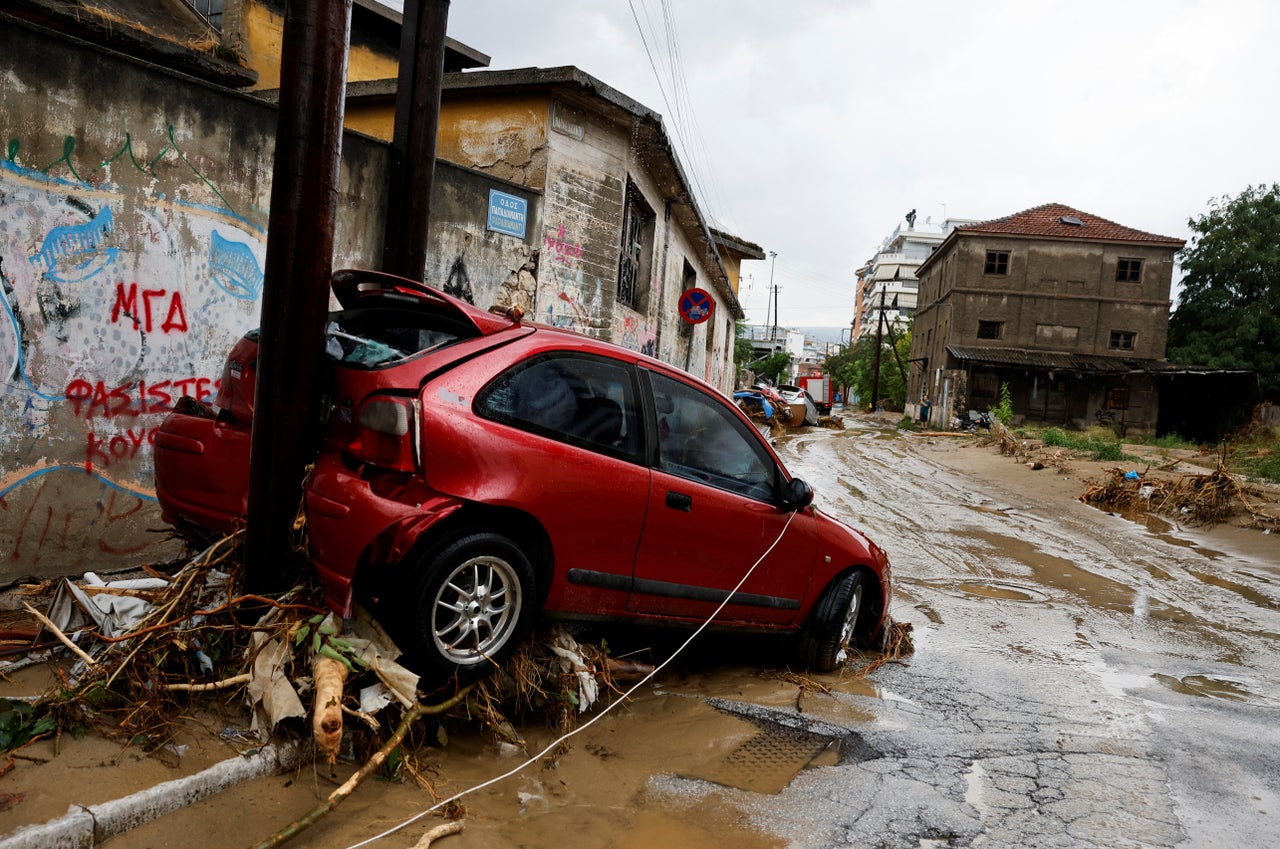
(714, 510)
(556, 436)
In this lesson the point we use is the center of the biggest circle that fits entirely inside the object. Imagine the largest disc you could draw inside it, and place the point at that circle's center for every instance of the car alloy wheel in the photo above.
(472, 606)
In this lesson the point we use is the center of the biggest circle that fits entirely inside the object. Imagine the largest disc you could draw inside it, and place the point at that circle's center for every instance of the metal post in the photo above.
(413, 147)
(773, 261)
(295, 298)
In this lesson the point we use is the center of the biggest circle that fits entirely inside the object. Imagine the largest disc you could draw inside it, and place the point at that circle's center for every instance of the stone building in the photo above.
(1067, 309)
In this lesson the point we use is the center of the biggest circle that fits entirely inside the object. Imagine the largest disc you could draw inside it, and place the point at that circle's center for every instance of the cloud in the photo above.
(812, 127)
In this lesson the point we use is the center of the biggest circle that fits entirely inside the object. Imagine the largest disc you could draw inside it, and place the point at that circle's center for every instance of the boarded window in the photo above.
(1056, 334)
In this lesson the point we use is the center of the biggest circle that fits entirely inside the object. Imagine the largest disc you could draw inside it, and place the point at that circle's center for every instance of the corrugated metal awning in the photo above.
(1055, 360)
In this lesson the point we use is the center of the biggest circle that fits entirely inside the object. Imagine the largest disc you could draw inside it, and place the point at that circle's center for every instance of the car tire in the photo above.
(470, 608)
(835, 622)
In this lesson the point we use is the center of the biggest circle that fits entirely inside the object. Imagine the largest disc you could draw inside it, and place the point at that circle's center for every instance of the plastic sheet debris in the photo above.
(572, 659)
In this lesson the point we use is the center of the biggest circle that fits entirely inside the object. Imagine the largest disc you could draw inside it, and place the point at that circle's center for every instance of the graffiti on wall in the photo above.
(637, 335)
(560, 249)
(122, 286)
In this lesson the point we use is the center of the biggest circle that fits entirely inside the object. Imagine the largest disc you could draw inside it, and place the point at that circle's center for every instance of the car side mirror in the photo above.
(798, 495)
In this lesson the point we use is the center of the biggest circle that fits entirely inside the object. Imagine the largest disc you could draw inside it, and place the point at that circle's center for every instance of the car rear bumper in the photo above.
(351, 526)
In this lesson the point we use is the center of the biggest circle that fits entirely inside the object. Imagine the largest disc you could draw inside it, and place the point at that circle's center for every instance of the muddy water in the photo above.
(1080, 679)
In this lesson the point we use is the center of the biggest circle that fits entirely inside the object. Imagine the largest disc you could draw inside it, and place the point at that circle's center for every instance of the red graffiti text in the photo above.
(100, 452)
(127, 304)
(98, 400)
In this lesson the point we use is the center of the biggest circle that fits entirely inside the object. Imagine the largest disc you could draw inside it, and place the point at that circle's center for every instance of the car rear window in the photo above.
(374, 338)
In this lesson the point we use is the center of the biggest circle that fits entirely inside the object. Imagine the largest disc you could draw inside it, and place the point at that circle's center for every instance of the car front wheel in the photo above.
(471, 607)
(834, 623)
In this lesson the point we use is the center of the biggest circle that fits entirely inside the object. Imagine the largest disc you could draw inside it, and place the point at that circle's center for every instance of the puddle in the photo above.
(1059, 573)
(1000, 590)
(1206, 687)
(1247, 593)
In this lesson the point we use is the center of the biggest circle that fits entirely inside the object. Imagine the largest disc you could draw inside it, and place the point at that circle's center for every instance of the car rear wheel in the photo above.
(835, 623)
(471, 607)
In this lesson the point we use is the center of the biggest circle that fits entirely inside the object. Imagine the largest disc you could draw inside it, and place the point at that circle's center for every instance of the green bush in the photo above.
(1004, 409)
(1100, 447)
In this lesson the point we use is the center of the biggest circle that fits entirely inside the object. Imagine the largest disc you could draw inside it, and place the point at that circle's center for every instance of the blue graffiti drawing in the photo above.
(75, 252)
(235, 268)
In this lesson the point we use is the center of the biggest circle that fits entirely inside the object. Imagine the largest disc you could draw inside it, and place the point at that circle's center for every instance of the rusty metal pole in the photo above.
(413, 146)
(295, 299)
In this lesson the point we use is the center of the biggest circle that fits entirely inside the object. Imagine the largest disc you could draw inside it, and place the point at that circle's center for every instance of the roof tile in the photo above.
(1046, 221)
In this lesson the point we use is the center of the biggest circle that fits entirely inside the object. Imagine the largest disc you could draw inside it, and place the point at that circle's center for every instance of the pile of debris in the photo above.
(1196, 499)
(145, 647)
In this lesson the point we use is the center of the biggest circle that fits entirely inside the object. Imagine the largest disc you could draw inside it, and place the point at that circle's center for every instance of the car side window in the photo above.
(699, 438)
(586, 401)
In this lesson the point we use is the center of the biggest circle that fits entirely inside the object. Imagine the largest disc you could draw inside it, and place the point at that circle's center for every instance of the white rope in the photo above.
(625, 696)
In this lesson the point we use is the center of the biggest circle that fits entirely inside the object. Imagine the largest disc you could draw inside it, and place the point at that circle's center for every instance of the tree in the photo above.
(1228, 313)
(854, 367)
(774, 366)
(743, 353)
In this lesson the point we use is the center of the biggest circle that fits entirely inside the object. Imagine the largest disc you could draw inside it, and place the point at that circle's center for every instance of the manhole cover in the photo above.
(767, 762)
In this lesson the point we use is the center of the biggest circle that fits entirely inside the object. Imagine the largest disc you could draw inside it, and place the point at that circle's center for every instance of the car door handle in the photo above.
(680, 501)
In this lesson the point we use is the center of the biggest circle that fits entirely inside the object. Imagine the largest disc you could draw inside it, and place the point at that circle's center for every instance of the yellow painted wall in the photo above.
(264, 33)
(504, 136)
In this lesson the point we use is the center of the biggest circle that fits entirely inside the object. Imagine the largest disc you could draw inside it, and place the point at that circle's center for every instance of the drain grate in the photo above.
(767, 762)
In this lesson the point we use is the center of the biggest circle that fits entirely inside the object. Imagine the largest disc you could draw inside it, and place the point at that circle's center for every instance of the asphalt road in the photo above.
(1079, 680)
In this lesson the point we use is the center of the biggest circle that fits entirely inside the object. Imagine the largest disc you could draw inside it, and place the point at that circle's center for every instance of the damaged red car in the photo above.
(478, 472)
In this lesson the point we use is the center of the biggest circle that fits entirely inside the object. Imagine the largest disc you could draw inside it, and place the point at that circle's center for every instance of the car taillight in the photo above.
(385, 433)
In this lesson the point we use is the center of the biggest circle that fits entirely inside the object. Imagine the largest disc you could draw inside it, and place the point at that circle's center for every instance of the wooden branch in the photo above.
(212, 685)
(57, 632)
(442, 830)
(371, 766)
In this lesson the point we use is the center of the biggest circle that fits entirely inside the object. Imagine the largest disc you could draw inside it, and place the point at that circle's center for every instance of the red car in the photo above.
(478, 471)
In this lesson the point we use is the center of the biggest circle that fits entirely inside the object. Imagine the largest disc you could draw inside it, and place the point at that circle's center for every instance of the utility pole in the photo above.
(773, 261)
(875, 369)
(411, 171)
(295, 296)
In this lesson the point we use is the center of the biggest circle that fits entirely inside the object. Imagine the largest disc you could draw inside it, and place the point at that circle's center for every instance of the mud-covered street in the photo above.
(1079, 680)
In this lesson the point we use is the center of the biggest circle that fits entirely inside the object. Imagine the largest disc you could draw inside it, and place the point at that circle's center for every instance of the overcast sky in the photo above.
(811, 128)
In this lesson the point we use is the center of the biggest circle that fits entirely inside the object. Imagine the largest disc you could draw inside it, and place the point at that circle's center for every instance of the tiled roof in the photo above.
(1057, 360)
(1056, 220)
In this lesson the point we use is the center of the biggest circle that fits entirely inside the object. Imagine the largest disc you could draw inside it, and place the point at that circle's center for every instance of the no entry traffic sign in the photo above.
(696, 306)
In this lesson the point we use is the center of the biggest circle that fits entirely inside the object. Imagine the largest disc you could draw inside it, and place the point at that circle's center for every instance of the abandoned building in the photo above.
(1068, 310)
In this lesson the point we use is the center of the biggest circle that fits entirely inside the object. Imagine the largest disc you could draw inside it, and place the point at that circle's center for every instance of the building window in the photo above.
(637, 247)
(997, 263)
(990, 329)
(1129, 271)
(211, 9)
(1122, 340)
(688, 280)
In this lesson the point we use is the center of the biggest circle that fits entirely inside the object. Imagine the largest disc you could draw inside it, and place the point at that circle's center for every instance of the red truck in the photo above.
(820, 390)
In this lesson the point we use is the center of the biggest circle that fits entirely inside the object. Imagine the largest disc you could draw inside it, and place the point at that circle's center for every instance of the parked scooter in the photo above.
(971, 421)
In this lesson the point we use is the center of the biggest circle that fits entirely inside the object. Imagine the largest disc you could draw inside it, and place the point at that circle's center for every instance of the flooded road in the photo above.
(1079, 680)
